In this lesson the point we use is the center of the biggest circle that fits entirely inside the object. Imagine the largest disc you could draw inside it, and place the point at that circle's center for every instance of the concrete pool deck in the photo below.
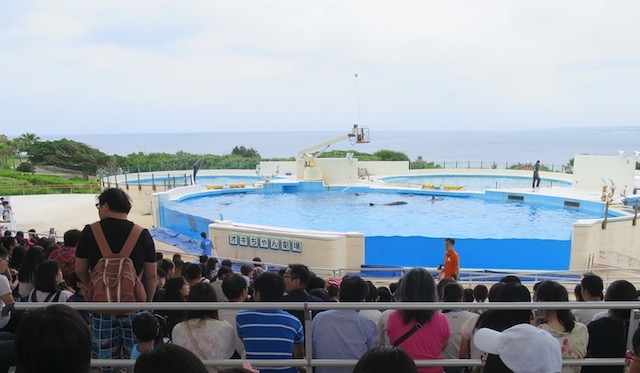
(71, 211)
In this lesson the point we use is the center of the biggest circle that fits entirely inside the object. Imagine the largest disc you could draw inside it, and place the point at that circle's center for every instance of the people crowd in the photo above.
(57, 338)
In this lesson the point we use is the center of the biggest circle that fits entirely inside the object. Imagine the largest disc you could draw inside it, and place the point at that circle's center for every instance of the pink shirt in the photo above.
(425, 344)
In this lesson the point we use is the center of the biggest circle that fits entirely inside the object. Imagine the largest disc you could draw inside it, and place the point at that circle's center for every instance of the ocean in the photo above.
(554, 147)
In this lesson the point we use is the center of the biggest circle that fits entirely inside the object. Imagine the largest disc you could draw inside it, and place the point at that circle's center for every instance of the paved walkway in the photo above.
(69, 211)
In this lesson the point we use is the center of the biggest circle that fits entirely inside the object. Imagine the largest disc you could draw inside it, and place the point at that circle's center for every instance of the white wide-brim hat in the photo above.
(523, 348)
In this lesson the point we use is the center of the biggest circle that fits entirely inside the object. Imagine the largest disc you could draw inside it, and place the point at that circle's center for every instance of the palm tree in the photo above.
(8, 148)
(27, 139)
(25, 142)
(4, 148)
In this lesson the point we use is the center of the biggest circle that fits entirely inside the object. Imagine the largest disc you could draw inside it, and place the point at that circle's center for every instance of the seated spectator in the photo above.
(162, 282)
(384, 359)
(79, 292)
(176, 290)
(168, 266)
(7, 329)
(577, 293)
(32, 235)
(384, 294)
(520, 348)
(372, 297)
(467, 296)
(146, 329)
(452, 292)
(180, 267)
(608, 335)
(16, 257)
(316, 282)
(500, 320)
(23, 241)
(510, 278)
(194, 274)
(480, 293)
(320, 293)
(270, 334)
(65, 256)
(258, 267)
(423, 334)
(211, 268)
(27, 273)
(48, 245)
(592, 287)
(223, 272)
(202, 332)
(53, 339)
(344, 334)
(440, 287)
(235, 290)
(169, 358)
(49, 285)
(572, 336)
(247, 273)
(632, 357)
(333, 290)
(384, 318)
(296, 278)
(226, 263)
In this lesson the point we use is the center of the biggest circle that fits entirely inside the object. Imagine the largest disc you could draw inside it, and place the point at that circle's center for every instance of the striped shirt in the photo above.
(269, 335)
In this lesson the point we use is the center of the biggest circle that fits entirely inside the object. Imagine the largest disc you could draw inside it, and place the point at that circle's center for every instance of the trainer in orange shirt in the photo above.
(451, 260)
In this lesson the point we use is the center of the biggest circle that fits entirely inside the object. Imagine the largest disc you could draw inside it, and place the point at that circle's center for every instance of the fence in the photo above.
(250, 164)
(307, 308)
(29, 189)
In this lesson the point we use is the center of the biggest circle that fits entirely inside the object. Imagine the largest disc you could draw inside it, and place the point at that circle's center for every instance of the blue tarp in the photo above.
(181, 241)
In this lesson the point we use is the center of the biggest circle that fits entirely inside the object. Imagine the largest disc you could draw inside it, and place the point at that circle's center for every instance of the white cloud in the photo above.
(271, 65)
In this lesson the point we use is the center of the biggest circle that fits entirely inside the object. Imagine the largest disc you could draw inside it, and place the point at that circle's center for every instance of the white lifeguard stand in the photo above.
(310, 169)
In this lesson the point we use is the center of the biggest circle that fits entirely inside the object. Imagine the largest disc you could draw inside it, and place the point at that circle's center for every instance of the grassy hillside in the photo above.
(19, 183)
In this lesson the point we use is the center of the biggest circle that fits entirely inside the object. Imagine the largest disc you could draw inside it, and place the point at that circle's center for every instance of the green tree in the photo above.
(241, 151)
(8, 150)
(390, 155)
(69, 154)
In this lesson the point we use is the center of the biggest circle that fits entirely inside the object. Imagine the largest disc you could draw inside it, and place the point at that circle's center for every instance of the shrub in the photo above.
(25, 167)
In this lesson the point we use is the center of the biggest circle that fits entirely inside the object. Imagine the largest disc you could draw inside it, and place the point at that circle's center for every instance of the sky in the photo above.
(70, 67)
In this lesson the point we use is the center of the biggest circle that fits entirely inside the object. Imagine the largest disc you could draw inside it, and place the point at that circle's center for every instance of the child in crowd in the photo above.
(145, 328)
(162, 280)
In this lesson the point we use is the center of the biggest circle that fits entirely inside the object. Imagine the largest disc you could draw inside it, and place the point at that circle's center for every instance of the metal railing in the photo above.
(307, 308)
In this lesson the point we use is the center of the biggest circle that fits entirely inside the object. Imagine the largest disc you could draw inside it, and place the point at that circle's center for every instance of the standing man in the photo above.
(112, 334)
(536, 176)
(451, 267)
(206, 245)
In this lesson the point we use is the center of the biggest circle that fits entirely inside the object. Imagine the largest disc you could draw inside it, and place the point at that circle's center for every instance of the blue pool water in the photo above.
(489, 233)
(472, 182)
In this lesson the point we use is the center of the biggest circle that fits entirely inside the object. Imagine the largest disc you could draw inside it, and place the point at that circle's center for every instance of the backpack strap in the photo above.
(55, 296)
(33, 297)
(104, 247)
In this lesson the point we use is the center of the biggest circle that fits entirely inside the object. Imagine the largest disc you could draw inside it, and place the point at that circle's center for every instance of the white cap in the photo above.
(523, 348)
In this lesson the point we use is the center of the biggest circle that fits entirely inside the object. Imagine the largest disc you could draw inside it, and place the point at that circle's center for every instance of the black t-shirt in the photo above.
(116, 231)
(607, 338)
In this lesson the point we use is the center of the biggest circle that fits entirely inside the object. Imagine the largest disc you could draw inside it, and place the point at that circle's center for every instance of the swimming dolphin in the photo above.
(394, 203)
